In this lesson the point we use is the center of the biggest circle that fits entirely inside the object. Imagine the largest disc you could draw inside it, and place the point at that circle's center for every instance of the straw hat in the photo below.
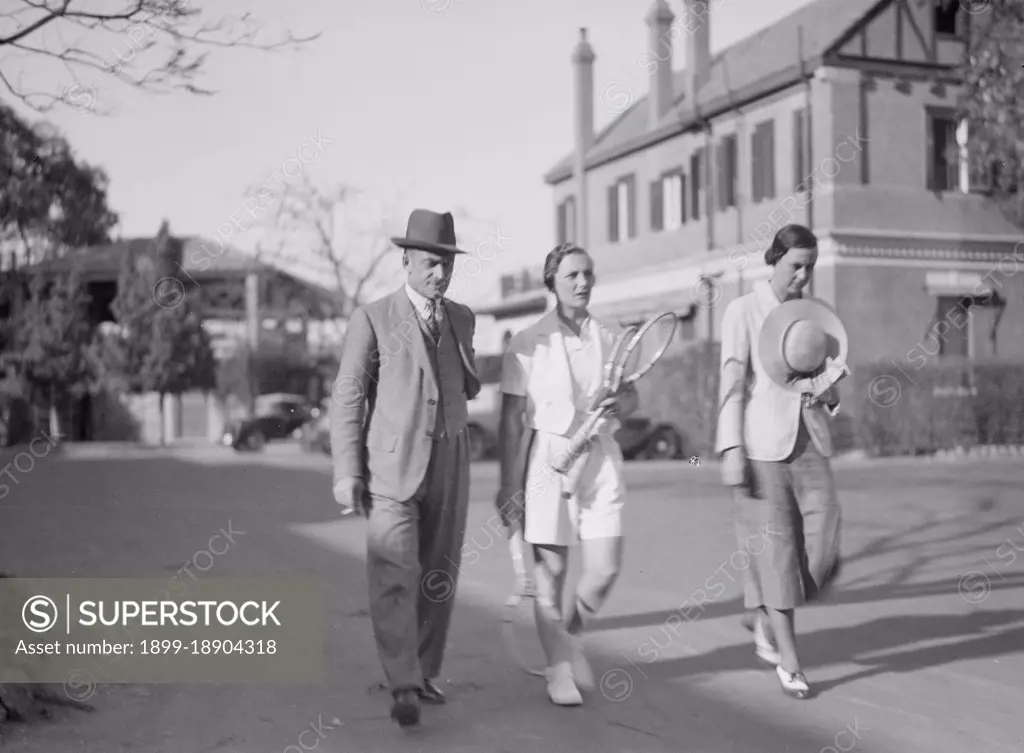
(799, 339)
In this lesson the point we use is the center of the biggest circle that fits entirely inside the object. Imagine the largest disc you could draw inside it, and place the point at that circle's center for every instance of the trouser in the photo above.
(414, 548)
(788, 522)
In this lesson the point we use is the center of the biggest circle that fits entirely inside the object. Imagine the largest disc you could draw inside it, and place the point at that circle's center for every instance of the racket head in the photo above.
(620, 351)
(647, 346)
(612, 372)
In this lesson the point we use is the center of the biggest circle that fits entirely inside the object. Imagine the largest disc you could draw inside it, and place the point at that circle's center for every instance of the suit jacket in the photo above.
(385, 398)
(536, 365)
(754, 411)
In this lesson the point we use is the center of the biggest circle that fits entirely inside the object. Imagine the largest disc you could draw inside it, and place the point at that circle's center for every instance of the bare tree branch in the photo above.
(329, 230)
(120, 44)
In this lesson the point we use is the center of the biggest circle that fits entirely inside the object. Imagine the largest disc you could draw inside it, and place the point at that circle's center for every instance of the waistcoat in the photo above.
(452, 415)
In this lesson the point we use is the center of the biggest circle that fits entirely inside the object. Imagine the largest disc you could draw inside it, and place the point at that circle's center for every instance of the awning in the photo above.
(954, 283)
(517, 305)
(679, 302)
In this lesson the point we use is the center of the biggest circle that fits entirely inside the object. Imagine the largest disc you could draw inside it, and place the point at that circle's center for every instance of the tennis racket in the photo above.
(634, 354)
(517, 617)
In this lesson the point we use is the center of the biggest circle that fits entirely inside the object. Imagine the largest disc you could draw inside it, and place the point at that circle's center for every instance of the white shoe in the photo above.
(794, 685)
(581, 671)
(561, 689)
(766, 650)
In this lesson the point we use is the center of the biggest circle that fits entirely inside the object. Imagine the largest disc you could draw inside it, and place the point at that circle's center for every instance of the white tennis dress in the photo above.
(559, 373)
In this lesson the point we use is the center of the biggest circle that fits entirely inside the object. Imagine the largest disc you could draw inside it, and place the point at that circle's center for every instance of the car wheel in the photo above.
(477, 443)
(255, 441)
(665, 444)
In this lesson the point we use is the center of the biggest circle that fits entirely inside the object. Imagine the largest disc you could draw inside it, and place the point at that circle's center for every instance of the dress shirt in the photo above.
(422, 305)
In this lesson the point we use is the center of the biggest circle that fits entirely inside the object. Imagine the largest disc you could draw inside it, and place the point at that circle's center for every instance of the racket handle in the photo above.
(578, 444)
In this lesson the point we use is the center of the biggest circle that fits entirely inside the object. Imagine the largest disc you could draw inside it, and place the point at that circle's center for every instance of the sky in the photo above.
(442, 104)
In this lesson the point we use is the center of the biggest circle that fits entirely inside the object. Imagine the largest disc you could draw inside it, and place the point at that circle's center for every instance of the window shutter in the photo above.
(657, 210)
(631, 203)
(952, 156)
(732, 158)
(613, 213)
(755, 165)
(682, 196)
(798, 151)
(719, 160)
(696, 181)
(931, 178)
(768, 157)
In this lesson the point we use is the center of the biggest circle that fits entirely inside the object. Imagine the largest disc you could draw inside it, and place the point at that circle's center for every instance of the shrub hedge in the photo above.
(902, 409)
(887, 408)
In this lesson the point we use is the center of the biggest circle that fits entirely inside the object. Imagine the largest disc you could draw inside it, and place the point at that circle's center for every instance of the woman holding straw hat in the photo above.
(781, 354)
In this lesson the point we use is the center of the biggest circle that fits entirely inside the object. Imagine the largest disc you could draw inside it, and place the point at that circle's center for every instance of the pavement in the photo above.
(920, 649)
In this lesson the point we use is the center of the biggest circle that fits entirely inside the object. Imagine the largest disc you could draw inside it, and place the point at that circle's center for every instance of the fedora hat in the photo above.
(430, 231)
(799, 340)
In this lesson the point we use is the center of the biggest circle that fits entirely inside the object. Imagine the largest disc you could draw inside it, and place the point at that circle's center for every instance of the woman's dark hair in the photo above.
(790, 236)
(554, 260)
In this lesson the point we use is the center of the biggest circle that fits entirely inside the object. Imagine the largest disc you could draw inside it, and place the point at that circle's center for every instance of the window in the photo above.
(800, 161)
(622, 209)
(668, 197)
(948, 17)
(567, 221)
(726, 154)
(762, 158)
(949, 163)
(696, 182)
(687, 328)
(954, 340)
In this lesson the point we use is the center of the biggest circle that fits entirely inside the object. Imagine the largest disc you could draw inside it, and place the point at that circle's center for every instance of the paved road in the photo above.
(906, 661)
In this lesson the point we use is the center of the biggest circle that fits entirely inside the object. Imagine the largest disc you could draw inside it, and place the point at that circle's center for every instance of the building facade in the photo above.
(841, 117)
(241, 300)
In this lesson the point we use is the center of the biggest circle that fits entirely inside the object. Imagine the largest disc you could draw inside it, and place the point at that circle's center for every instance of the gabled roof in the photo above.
(199, 256)
(771, 59)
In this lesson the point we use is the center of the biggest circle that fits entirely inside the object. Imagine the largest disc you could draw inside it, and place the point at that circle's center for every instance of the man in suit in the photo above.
(401, 455)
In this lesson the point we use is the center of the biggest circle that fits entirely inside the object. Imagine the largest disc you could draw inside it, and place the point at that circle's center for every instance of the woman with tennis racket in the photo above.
(561, 468)
(781, 354)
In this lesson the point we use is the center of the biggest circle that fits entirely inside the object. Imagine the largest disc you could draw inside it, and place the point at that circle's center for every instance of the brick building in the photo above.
(841, 117)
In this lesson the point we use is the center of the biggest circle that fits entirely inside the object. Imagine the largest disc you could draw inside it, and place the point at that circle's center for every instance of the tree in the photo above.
(133, 307)
(52, 338)
(154, 45)
(48, 199)
(179, 357)
(334, 231)
(993, 100)
(161, 345)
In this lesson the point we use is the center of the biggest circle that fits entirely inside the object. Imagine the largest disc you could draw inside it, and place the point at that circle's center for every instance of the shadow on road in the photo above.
(145, 518)
(841, 596)
(978, 635)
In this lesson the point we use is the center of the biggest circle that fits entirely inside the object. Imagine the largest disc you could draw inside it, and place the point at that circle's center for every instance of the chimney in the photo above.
(698, 46)
(583, 99)
(659, 43)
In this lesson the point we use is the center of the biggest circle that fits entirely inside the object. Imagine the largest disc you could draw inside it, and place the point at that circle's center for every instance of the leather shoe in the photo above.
(406, 709)
(431, 694)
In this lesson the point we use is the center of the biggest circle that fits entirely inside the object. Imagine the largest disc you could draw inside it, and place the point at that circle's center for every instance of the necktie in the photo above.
(432, 319)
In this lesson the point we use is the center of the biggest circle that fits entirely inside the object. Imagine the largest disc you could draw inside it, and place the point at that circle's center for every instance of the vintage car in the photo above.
(277, 416)
(642, 437)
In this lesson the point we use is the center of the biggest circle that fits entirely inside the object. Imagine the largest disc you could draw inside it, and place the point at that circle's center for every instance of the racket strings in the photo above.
(649, 346)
